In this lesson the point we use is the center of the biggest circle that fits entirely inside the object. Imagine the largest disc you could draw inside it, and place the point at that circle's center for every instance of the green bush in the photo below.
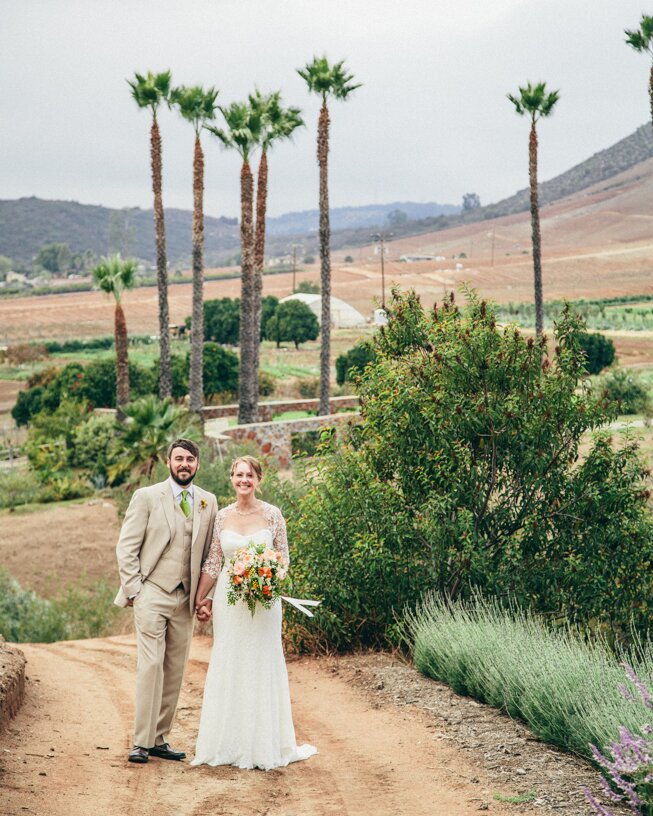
(266, 384)
(221, 368)
(465, 471)
(351, 364)
(91, 444)
(599, 351)
(75, 614)
(67, 346)
(308, 387)
(98, 382)
(17, 487)
(626, 392)
(563, 686)
(221, 321)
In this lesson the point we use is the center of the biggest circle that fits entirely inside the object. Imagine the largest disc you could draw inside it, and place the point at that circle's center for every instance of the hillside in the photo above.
(27, 224)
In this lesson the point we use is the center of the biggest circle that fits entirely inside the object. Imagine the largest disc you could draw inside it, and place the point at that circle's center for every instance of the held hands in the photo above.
(204, 610)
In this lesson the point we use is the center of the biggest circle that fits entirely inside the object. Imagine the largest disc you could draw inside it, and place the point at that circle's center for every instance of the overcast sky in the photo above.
(430, 123)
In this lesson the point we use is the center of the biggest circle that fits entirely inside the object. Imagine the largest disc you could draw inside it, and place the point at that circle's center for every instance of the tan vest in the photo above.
(173, 567)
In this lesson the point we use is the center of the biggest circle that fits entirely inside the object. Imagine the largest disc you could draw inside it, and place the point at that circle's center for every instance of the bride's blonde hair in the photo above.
(248, 460)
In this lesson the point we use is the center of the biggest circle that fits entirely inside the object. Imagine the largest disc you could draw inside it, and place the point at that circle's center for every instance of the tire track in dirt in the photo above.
(65, 753)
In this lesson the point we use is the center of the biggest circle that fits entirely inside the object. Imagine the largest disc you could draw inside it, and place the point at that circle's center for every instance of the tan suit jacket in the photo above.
(147, 530)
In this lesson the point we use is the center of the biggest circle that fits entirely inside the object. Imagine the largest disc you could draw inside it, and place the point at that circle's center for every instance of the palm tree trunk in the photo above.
(650, 92)
(246, 400)
(325, 260)
(165, 371)
(122, 362)
(535, 231)
(259, 259)
(196, 385)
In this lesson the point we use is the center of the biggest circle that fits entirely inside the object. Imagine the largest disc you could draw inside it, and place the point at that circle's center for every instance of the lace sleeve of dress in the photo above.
(215, 559)
(280, 534)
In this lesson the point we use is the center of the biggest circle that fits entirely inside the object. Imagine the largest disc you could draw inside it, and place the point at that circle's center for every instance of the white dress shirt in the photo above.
(176, 491)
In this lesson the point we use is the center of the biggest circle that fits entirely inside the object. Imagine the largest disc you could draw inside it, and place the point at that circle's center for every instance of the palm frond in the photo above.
(150, 90)
(195, 104)
(113, 275)
(641, 39)
(326, 80)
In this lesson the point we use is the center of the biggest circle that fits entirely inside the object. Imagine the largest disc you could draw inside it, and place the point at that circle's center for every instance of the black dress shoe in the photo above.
(165, 752)
(138, 754)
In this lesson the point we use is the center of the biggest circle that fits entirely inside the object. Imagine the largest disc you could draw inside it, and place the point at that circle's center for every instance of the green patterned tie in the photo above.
(184, 503)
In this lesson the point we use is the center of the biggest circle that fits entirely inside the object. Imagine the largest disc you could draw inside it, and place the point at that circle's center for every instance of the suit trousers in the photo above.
(164, 628)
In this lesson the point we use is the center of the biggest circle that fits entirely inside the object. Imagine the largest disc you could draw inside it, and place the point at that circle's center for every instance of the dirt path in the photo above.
(65, 753)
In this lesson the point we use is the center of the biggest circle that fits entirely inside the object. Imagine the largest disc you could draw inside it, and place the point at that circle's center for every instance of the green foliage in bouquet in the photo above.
(465, 471)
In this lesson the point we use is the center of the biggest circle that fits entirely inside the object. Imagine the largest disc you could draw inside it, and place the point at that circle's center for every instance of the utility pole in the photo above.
(381, 238)
(294, 248)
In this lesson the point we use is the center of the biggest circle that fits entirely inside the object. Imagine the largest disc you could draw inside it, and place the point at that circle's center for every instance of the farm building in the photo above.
(343, 316)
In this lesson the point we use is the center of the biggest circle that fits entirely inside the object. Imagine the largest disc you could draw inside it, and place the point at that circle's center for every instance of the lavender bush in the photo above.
(629, 771)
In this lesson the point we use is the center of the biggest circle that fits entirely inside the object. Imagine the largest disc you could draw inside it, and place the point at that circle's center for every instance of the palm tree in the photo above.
(277, 124)
(113, 276)
(143, 438)
(197, 106)
(325, 80)
(149, 92)
(642, 40)
(243, 133)
(534, 101)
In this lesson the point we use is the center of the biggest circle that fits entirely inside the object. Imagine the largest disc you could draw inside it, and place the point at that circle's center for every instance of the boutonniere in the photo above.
(203, 504)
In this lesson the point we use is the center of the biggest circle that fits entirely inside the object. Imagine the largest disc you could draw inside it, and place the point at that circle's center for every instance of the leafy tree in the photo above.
(472, 467)
(471, 201)
(350, 365)
(641, 39)
(220, 369)
(113, 276)
(535, 102)
(269, 306)
(293, 321)
(97, 382)
(222, 320)
(599, 351)
(243, 134)
(277, 124)
(197, 106)
(28, 403)
(327, 81)
(150, 91)
(54, 257)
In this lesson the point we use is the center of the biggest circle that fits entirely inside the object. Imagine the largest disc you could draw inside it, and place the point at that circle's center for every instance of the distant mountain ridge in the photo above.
(26, 224)
(371, 215)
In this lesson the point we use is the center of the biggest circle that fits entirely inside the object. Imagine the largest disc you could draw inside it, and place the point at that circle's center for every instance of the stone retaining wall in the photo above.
(12, 681)
(275, 438)
(266, 410)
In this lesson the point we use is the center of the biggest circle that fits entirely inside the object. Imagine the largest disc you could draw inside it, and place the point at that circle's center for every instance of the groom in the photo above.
(164, 539)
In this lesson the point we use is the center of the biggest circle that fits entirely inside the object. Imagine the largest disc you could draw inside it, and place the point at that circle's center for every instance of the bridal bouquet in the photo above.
(256, 573)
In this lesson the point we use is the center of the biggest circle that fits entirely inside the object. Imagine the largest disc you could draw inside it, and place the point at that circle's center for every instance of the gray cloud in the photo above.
(430, 123)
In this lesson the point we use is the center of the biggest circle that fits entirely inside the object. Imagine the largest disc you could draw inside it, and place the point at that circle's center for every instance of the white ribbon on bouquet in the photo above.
(301, 604)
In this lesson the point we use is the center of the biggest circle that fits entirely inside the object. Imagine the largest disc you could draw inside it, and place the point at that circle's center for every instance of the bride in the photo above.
(246, 718)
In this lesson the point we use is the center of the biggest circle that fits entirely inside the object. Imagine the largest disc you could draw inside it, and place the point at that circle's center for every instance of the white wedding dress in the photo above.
(246, 718)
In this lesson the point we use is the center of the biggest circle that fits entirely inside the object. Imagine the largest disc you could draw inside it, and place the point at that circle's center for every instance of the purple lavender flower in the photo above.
(644, 693)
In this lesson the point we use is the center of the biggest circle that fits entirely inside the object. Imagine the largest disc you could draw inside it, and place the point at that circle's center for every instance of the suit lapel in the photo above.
(168, 504)
(197, 513)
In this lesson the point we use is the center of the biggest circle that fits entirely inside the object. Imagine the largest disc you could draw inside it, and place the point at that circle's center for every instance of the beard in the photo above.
(184, 478)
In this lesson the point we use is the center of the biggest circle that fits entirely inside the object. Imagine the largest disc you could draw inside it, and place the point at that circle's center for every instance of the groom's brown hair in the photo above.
(186, 444)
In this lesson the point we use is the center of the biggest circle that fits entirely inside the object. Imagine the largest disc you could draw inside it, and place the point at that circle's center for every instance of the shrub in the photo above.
(307, 287)
(351, 364)
(220, 369)
(564, 686)
(266, 384)
(308, 388)
(627, 394)
(28, 403)
(91, 444)
(25, 617)
(599, 351)
(17, 487)
(464, 471)
(23, 353)
(98, 382)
